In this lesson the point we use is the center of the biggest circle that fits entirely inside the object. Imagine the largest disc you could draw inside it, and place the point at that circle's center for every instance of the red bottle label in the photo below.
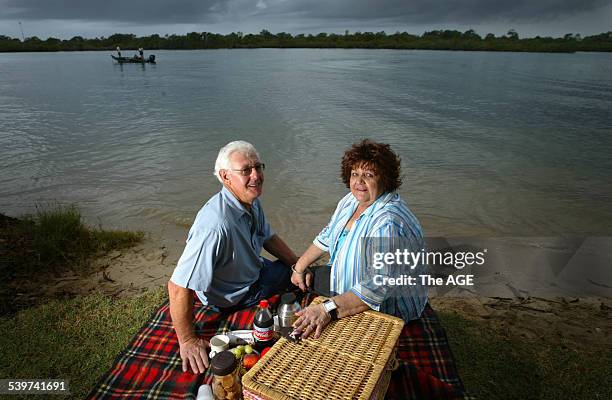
(263, 334)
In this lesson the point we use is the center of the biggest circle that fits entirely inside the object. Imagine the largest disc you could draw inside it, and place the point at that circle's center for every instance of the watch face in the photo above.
(329, 305)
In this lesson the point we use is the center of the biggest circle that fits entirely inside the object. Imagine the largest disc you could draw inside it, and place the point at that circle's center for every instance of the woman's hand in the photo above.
(313, 318)
(302, 280)
(301, 276)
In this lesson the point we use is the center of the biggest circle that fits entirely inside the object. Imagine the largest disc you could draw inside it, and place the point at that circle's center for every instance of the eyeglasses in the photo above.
(246, 171)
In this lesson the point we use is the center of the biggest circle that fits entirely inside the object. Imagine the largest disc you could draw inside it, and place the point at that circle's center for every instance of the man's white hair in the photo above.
(223, 159)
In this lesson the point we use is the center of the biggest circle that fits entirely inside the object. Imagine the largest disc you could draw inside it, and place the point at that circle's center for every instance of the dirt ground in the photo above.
(122, 273)
(583, 321)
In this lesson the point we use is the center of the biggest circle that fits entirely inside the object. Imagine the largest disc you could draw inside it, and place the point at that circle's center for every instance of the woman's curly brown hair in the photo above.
(376, 156)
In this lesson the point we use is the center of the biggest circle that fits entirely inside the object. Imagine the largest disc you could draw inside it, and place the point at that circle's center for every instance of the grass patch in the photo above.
(53, 240)
(75, 339)
(56, 237)
(495, 367)
(78, 339)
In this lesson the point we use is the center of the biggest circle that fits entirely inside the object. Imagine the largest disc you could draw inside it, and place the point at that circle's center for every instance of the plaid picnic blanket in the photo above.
(150, 367)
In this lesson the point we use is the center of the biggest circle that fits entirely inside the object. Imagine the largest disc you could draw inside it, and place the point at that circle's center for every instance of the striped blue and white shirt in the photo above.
(384, 227)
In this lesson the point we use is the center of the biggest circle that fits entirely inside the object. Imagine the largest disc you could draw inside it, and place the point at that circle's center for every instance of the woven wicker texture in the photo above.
(346, 362)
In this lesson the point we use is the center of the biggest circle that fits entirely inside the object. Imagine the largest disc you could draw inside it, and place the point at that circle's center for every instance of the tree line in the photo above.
(432, 40)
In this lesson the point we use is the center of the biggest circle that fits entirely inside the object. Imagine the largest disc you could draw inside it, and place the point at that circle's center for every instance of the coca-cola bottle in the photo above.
(263, 326)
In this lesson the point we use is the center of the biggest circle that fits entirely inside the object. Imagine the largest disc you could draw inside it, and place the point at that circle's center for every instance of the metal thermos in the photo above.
(287, 309)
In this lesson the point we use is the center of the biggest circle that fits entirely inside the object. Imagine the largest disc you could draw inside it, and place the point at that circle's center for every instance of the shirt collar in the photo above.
(233, 202)
(379, 203)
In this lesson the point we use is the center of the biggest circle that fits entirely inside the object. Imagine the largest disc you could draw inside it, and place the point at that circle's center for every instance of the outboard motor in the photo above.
(152, 58)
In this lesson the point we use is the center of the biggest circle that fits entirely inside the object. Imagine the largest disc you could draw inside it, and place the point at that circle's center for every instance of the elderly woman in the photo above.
(371, 217)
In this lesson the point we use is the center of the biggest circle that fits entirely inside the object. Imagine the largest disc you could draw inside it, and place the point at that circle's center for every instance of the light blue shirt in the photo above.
(222, 258)
(380, 228)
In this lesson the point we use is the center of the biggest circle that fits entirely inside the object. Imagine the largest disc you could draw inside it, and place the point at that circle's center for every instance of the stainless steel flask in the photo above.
(287, 309)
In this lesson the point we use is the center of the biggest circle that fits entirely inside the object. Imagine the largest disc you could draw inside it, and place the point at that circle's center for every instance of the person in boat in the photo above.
(371, 219)
(118, 52)
(141, 53)
(221, 262)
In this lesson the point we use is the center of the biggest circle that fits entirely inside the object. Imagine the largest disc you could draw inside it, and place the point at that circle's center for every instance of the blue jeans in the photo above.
(274, 278)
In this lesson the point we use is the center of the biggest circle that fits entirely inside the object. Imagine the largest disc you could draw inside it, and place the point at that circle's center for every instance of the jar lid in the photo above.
(288, 298)
(223, 363)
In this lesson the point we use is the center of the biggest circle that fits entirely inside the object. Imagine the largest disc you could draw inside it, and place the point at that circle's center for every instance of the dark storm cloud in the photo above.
(127, 11)
(430, 11)
(324, 12)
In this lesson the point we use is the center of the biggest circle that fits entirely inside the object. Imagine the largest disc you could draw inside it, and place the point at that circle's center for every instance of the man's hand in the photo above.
(194, 354)
(303, 281)
(313, 318)
(193, 349)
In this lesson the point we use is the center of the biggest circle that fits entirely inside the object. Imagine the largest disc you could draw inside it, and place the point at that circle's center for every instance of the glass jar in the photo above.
(226, 376)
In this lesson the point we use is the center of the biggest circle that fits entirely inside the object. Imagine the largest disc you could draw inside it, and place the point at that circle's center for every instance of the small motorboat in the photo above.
(135, 60)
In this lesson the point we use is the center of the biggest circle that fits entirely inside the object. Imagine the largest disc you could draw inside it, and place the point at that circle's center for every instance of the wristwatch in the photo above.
(331, 308)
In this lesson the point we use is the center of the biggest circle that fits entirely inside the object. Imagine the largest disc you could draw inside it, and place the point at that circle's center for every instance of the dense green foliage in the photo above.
(434, 40)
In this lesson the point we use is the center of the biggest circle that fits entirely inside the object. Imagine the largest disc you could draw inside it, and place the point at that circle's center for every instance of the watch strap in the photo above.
(334, 314)
(331, 308)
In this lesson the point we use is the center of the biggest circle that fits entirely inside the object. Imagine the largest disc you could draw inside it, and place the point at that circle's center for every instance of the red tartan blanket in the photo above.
(150, 367)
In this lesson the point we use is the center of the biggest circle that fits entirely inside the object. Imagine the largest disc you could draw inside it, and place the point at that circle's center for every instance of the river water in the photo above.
(492, 144)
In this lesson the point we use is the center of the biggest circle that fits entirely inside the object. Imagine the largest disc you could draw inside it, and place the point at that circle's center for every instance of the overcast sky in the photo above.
(95, 18)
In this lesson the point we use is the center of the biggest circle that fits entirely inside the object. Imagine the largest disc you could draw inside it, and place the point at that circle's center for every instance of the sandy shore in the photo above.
(120, 273)
(584, 321)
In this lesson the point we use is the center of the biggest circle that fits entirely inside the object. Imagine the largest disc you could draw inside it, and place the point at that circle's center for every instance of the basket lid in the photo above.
(347, 361)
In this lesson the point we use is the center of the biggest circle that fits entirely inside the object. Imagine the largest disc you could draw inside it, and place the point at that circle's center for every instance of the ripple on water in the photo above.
(491, 143)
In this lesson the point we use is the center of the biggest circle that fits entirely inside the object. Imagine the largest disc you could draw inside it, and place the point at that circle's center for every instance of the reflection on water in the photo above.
(491, 143)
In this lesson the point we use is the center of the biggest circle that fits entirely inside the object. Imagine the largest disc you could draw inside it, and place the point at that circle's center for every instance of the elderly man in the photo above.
(221, 262)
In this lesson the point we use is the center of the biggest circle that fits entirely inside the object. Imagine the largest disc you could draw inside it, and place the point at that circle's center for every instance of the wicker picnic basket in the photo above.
(353, 359)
